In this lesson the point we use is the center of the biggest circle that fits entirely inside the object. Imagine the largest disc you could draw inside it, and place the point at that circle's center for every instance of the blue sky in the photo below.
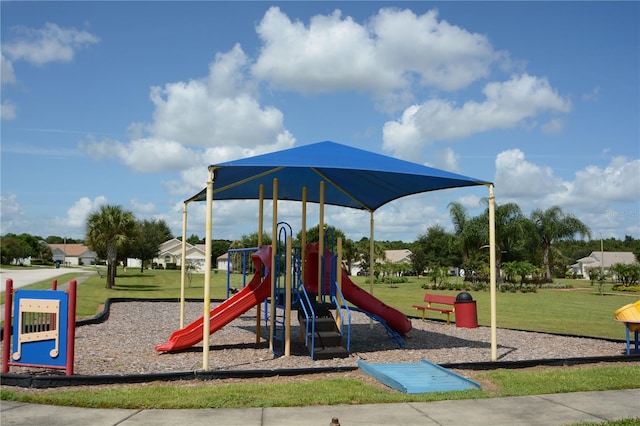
(128, 102)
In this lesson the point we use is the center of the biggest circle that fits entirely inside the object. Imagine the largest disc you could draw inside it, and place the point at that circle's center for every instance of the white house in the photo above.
(73, 254)
(391, 256)
(604, 259)
(222, 262)
(171, 252)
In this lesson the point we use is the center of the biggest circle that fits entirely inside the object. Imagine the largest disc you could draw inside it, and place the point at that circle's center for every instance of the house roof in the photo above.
(609, 258)
(398, 256)
(74, 250)
(174, 248)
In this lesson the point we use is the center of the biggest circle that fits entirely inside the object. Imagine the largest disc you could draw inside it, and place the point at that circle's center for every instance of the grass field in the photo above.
(580, 310)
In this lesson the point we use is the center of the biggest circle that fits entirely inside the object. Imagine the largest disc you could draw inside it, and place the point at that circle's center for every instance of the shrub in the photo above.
(628, 288)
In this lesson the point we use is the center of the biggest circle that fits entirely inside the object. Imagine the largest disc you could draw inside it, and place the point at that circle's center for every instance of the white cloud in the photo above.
(444, 56)
(7, 75)
(199, 122)
(7, 110)
(446, 159)
(592, 96)
(332, 53)
(619, 181)
(516, 177)
(506, 105)
(603, 197)
(11, 214)
(51, 43)
(142, 209)
(553, 126)
(78, 213)
(394, 50)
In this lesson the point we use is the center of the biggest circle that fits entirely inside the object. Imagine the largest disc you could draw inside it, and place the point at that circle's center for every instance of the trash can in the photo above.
(466, 311)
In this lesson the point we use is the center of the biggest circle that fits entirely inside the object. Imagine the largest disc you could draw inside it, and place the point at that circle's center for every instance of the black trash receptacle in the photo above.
(466, 311)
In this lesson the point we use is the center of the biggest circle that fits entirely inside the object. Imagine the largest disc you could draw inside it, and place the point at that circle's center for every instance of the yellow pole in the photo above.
(492, 274)
(371, 254)
(274, 242)
(320, 238)
(183, 267)
(260, 218)
(371, 261)
(303, 234)
(303, 243)
(207, 275)
(287, 298)
(339, 281)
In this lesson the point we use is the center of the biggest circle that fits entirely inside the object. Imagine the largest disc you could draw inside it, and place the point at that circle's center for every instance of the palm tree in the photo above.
(108, 229)
(553, 224)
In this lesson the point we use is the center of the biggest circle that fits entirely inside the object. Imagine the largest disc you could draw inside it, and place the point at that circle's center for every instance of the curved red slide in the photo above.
(255, 292)
(354, 294)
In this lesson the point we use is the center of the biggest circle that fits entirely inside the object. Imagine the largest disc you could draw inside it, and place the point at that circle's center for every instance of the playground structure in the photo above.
(323, 335)
(43, 328)
(629, 315)
(324, 172)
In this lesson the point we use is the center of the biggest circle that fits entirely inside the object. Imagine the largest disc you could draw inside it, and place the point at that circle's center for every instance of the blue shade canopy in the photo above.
(352, 177)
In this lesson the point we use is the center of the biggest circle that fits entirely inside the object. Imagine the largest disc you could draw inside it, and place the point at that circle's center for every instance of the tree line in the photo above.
(544, 241)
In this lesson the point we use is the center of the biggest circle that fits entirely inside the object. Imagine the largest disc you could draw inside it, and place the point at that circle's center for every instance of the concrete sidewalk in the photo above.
(553, 409)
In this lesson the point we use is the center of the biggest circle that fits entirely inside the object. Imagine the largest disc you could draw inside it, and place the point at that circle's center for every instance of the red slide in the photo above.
(363, 300)
(255, 292)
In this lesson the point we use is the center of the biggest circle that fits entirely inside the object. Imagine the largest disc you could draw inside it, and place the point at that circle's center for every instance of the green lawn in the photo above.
(580, 310)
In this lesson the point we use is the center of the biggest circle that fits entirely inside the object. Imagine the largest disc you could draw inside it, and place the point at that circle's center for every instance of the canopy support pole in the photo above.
(260, 230)
(492, 274)
(303, 234)
(207, 274)
(274, 246)
(320, 242)
(371, 260)
(183, 266)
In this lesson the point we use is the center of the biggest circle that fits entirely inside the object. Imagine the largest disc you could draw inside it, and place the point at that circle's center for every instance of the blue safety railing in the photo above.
(342, 311)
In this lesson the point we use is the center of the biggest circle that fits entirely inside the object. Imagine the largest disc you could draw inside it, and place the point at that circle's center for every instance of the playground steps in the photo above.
(328, 340)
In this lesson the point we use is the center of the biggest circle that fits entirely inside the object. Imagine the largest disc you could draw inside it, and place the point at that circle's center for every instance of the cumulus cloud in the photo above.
(11, 217)
(7, 75)
(7, 110)
(618, 181)
(445, 159)
(50, 43)
(506, 105)
(143, 209)
(333, 52)
(78, 213)
(593, 187)
(199, 122)
(517, 177)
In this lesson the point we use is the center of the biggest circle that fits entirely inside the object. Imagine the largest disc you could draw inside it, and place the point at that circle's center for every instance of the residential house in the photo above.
(391, 256)
(222, 262)
(604, 259)
(73, 254)
(171, 252)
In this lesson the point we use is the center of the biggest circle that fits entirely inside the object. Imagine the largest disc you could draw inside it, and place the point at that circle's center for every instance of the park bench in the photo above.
(439, 303)
(100, 274)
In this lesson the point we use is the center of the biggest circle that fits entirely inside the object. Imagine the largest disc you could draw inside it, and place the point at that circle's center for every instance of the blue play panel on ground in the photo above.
(419, 377)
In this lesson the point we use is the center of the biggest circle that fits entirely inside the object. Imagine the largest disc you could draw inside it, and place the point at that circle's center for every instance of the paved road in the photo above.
(23, 277)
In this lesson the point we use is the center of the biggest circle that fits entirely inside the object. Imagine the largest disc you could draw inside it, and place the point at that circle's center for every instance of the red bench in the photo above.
(441, 303)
